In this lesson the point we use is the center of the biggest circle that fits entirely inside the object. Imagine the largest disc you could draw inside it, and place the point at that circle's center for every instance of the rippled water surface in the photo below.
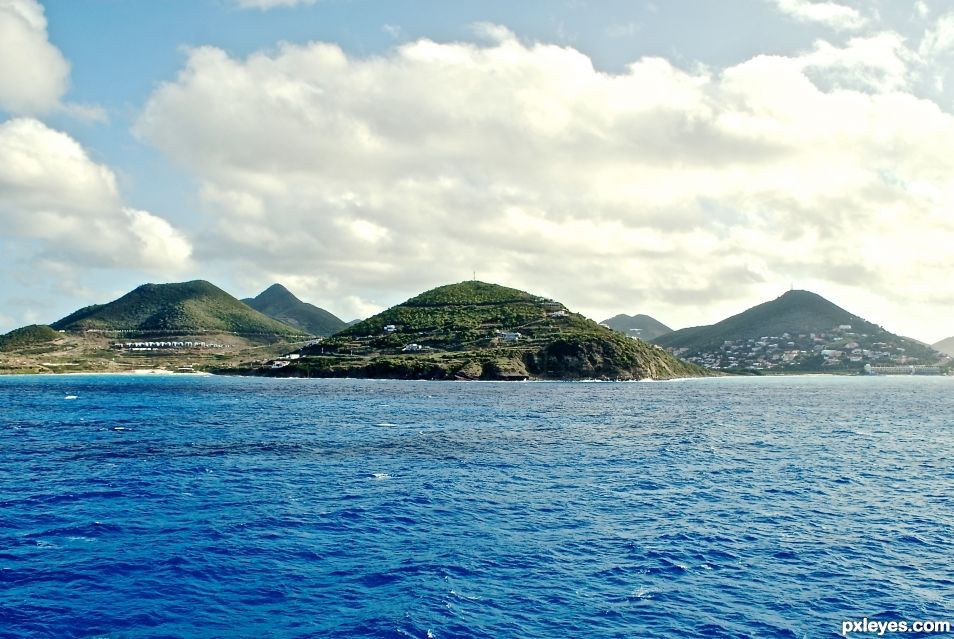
(216, 507)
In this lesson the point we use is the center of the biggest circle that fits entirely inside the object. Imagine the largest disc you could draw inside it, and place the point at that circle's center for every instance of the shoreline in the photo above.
(140, 372)
(169, 373)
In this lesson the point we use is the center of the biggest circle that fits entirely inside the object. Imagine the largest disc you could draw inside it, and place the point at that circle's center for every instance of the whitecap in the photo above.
(385, 424)
(71, 397)
(380, 476)
(642, 593)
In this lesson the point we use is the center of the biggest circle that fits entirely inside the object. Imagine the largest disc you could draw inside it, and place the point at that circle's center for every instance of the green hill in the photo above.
(27, 337)
(280, 304)
(475, 330)
(641, 326)
(187, 308)
(946, 346)
(799, 330)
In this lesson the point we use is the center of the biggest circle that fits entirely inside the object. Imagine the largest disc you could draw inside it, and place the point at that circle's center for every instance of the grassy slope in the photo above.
(454, 316)
(28, 336)
(459, 323)
(189, 307)
(794, 312)
(280, 304)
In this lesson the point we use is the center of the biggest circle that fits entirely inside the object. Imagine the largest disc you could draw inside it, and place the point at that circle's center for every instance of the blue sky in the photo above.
(685, 159)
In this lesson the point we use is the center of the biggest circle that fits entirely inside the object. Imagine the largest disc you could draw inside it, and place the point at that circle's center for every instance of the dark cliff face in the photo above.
(586, 360)
(606, 359)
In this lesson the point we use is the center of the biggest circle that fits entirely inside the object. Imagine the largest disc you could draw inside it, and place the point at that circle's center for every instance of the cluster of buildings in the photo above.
(156, 346)
(839, 347)
(282, 362)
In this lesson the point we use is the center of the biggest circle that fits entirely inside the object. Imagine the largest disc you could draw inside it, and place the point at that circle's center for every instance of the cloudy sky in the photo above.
(681, 158)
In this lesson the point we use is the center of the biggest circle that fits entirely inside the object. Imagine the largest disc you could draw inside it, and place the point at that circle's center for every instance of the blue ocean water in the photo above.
(194, 506)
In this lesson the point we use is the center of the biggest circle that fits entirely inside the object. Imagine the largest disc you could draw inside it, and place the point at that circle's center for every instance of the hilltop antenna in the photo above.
(475, 275)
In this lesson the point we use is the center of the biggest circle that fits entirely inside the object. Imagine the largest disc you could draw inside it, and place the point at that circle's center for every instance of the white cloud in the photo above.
(159, 246)
(879, 63)
(654, 190)
(940, 39)
(53, 196)
(34, 75)
(831, 14)
(264, 5)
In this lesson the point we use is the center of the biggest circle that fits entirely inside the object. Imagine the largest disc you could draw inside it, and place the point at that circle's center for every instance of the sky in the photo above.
(686, 159)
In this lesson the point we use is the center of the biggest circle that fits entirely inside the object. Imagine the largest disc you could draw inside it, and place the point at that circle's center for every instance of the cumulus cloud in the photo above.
(68, 207)
(939, 40)
(34, 75)
(653, 189)
(830, 14)
(879, 62)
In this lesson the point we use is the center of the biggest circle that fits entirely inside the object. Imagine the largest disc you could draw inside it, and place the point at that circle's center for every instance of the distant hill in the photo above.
(476, 330)
(946, 346)
(795, 312)
(188, 307)
(28, 336)
(280, 304)
(798, 329)
(641, 326)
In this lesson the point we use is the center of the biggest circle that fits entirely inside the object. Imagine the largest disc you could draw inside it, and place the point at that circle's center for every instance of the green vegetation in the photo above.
(280, 304)
(475, 330)
(27, 337)
(795, 312)
(455, 316)
(641, 326)
(187, 308)
(471, 293)
(797, 332)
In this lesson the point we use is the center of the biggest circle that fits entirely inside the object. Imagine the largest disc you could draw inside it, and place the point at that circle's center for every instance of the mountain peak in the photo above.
(182, 307)
(641, 326)
(276, 288)
(473, 329)
(276, 294)
(796, 328)
(279, 303)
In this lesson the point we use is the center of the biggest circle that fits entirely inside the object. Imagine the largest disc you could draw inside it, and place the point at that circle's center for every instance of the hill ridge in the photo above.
(282, 305)
(799, 330)
(478, 330)
(182, 307)
(945, 346)
(640, 325)
(27, 336)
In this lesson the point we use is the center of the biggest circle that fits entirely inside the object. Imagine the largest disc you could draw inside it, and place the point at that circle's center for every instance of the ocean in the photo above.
(196, 506)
